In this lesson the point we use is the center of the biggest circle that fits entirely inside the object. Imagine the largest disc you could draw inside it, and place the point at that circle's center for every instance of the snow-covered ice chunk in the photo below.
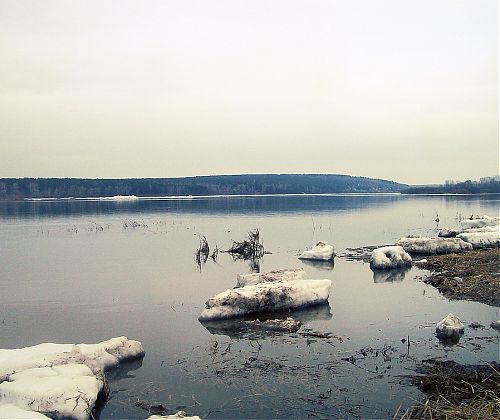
(68, 391)
(422, 261)
(495, 228)
(277, 275)
(110, 353)
(9, 411)
(60, 377)
(483, 239)
(433, 245)
(100, 356)
(176, 416)
(389, 257)
(449, 327)
(448, 233)
(321, 251)
(479, 222)
(266, 297)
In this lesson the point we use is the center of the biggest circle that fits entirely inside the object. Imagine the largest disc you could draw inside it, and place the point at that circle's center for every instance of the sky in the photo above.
(395, 89)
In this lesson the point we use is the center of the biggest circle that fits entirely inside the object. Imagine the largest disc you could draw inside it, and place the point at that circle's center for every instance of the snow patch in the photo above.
(321, 251)
(276, 276)
(389, 257)
(433, 245)
(449, 327)
(266, 297)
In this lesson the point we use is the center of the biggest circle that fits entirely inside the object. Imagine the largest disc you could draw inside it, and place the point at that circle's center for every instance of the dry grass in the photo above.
(250, 249)
(472, 275)
(456, 391)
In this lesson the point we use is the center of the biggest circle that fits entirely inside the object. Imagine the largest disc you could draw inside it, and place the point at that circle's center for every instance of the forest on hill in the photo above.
(18, 188)
(484, 186)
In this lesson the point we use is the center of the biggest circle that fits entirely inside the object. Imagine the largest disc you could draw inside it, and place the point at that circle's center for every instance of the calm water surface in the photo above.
(63, 279)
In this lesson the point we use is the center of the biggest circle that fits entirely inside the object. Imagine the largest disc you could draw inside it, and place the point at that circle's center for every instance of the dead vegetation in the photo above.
(249, 249)
(202, 253)
(473, 275)
(456, 391)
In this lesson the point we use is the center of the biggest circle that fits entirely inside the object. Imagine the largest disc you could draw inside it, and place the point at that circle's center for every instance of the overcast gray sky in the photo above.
(395, 89)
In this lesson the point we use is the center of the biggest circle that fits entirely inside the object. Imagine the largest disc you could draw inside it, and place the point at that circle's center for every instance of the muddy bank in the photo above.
(456, 391)
(473, 275)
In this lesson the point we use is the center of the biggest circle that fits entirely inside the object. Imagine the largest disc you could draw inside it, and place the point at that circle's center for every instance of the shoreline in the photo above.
(473, 275)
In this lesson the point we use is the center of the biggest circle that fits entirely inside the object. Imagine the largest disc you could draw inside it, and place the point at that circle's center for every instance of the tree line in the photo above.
(18, 188)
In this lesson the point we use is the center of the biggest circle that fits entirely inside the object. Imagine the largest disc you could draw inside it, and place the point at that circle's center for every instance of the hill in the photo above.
(18, 188)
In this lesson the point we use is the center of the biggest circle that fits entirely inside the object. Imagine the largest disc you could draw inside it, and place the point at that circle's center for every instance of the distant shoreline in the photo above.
(112, 199)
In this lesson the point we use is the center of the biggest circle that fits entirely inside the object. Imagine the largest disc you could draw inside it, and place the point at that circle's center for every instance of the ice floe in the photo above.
(65, 391)
(433, 245)
(479, 222)
(272, 276)
(100, 356)
(449, 327)
(388, 257)
(448, 233)
(266, 297)
(321, 251)
(61, 380)
(481, 239)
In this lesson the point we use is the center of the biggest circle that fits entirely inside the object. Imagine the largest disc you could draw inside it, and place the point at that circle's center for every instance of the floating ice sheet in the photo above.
(266, 297)
(433, 245)
(61, 380)
(321, 252)
(389, 257)
(277, 275)
(479, 222)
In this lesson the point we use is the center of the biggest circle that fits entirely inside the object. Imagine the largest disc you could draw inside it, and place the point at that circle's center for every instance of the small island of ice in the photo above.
(449, 327)
(320, 252)
(389, 257)
(266, 297)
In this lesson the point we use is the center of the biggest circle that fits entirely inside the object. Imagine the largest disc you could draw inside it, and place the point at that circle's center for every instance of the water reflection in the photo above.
(320, 265)
(390, 276)
(123, 370)
(255, 327)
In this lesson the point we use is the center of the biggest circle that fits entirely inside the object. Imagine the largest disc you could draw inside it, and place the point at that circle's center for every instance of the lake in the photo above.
(75, 271)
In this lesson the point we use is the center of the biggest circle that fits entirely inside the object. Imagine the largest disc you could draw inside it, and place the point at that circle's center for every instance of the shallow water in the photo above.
(63, 279)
